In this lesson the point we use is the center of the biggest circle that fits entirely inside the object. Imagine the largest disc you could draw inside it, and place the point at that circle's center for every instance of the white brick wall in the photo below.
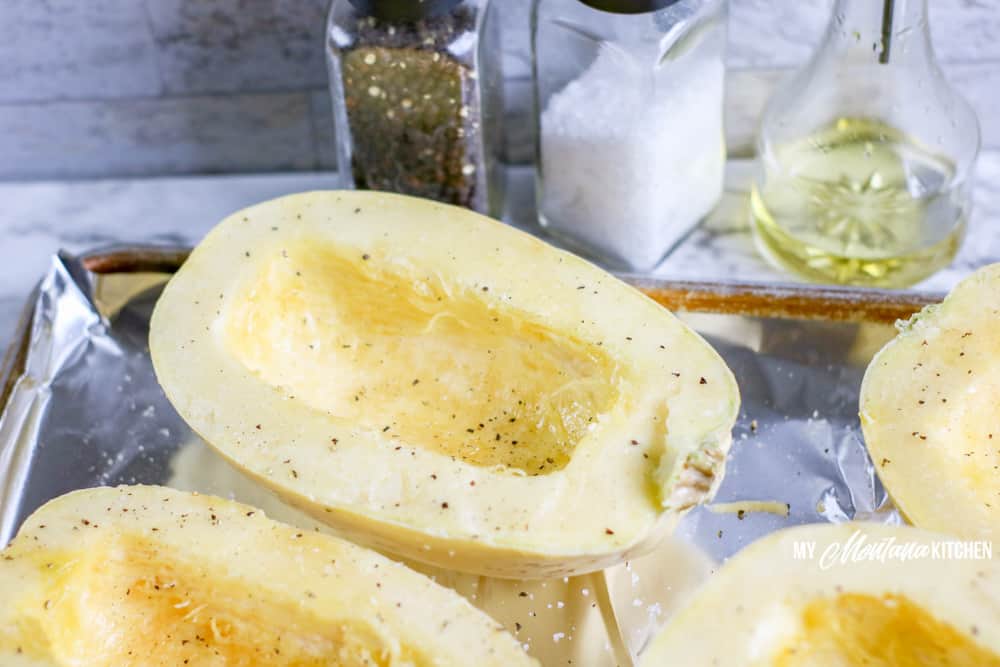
(143, 87)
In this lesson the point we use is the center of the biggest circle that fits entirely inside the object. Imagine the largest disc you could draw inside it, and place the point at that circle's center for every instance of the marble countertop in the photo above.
(39, 218)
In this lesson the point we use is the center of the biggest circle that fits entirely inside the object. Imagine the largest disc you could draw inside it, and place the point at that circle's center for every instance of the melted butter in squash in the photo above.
(124, 604)
(436, 365)
(856, 630)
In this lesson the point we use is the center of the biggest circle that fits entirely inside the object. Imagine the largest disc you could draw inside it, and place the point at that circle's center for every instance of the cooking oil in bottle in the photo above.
(860, 203)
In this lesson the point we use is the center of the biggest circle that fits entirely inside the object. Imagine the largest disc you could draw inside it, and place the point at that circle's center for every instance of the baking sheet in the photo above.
(86, 410)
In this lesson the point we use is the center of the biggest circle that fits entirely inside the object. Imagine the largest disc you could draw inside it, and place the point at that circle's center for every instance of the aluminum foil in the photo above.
(87, 411)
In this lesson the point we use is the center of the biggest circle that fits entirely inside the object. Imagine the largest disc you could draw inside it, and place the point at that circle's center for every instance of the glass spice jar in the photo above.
(417, 98)
(629, 111)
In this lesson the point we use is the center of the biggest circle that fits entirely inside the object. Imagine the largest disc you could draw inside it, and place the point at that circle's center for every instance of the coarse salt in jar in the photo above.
(630, 144)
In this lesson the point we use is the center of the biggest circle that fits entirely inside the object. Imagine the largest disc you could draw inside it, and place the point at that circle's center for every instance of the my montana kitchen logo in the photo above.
(859, 548)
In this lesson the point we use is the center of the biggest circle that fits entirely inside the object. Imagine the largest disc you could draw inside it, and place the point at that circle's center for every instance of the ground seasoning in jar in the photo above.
(408, 97)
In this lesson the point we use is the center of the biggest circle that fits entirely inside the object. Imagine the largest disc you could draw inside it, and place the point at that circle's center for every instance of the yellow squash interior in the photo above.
(972, 423)
(411, 354)
(125, 603)
(855, 630)
(955, 402)
(943, 421)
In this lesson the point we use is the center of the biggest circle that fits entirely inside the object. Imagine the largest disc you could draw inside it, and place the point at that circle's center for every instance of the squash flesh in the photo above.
(887, 631)
(845, 601)
(632, 407)
(143, 576)
(469, 378)
(954, 401)
(128, 603)
(930, 409)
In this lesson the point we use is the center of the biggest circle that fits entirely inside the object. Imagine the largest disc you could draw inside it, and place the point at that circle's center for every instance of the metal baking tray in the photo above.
(81, 407)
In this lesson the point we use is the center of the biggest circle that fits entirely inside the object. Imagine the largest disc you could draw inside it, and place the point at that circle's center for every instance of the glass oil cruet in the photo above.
(866, 155)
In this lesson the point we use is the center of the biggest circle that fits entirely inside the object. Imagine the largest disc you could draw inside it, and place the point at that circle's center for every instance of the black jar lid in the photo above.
(404, 10)
(629, 6)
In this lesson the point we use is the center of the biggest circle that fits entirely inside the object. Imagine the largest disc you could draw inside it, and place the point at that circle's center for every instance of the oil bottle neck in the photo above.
(881, 31)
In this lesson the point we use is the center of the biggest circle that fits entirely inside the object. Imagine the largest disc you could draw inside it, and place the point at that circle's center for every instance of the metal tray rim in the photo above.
(780, 300)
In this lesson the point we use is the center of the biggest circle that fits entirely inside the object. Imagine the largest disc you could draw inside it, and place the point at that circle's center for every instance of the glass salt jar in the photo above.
(629, 109)
(417, 98)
